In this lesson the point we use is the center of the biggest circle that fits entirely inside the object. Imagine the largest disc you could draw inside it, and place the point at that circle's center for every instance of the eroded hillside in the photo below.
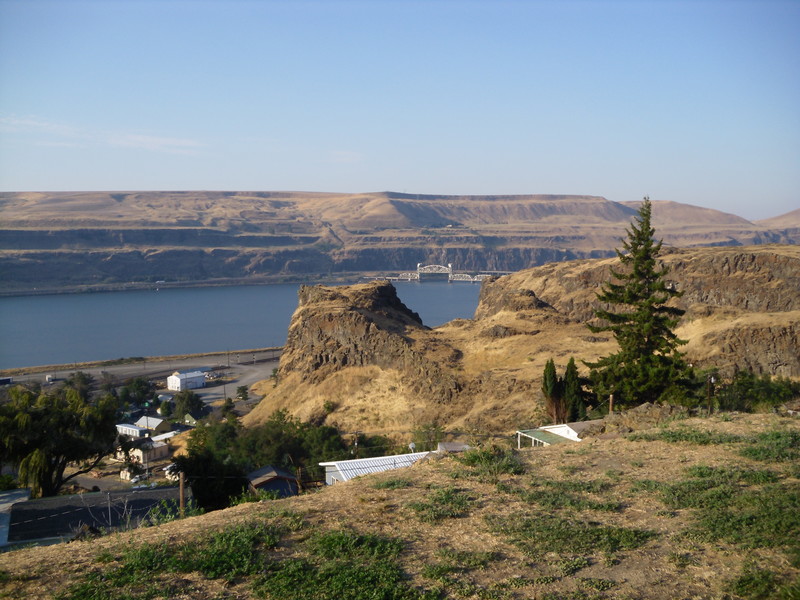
(53, 241)
(357, 358)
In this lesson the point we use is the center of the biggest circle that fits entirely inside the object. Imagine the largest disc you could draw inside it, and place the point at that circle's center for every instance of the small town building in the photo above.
(154, 425)
(345, 470)
(132, 431)
(180, 381)
(144, 452)
(554, 434)
(192, 418)
(272, 479)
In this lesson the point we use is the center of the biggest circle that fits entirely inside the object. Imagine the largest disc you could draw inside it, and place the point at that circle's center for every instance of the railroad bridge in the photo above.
(440, 273)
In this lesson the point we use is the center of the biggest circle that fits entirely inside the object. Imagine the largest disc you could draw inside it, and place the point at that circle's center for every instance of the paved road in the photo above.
(240, 367)
(7, 500)
(62, 516)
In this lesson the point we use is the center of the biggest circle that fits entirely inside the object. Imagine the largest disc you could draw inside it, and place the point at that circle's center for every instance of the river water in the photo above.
(71, 328)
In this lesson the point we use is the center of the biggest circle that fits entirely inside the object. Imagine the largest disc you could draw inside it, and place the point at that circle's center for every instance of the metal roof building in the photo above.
(344, 470)
(555, 434)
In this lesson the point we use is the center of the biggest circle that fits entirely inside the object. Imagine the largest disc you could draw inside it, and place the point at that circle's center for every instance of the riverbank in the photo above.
(217, 358)
(304, 279)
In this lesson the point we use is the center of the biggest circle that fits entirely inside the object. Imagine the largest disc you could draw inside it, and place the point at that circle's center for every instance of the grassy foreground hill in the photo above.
(693, 509)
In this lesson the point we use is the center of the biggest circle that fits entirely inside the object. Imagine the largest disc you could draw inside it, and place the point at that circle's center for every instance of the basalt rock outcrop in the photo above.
(358, 358)
(366, 325)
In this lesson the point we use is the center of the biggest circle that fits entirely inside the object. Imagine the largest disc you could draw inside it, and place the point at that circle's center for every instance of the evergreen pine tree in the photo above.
(648, 362)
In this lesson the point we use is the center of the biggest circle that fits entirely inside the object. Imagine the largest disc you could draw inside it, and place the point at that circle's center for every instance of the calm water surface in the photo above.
(67, 328)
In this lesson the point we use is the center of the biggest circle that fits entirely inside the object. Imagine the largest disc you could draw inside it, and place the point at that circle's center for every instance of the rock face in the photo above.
(365, 325)
(358, 358)
(728, 294)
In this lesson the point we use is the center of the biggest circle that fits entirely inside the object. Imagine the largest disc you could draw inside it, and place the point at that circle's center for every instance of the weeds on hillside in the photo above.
(752, 508)
(537, 535)
(761, 584)
(455, 562)
(331, 565)
(490, 462)
(444, 503)
(774, 446)
(564, 495)
(688, 435)
(394, 483)
(341, 564)
(227, 554)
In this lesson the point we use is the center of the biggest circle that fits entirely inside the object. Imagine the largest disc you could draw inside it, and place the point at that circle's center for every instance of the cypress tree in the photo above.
(553, 393)
(648, 363)
(573, 398)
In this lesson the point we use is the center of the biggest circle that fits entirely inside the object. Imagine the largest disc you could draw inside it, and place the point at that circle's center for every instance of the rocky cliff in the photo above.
(358, 358)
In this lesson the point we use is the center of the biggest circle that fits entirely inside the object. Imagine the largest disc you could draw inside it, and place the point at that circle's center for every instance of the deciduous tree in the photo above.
(41, 434)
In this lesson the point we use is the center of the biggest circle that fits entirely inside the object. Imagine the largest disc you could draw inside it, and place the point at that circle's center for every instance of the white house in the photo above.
(344, 470)
(554, 434)
(186, 380)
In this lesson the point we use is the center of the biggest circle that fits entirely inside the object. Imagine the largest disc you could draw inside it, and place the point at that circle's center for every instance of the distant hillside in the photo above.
(52, 241)
(790, 220)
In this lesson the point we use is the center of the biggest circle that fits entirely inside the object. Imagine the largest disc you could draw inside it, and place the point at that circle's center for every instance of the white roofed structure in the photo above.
(186, 380)
(344, 470)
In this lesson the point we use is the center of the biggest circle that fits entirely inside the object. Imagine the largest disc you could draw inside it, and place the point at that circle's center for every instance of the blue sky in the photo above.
(694, 101)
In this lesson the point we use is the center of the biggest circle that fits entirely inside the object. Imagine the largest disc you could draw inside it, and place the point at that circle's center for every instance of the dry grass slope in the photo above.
(606, 519)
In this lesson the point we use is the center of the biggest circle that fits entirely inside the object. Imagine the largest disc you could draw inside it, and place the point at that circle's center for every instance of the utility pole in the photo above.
(181, 496)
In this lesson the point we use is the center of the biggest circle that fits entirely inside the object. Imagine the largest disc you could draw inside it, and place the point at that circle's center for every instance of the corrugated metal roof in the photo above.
(363, 466)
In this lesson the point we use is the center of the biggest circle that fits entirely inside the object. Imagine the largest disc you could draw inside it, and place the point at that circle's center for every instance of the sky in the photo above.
(691, 101)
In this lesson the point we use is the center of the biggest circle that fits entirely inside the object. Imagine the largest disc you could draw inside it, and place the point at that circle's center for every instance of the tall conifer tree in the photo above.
(552, 389)
(648, 363)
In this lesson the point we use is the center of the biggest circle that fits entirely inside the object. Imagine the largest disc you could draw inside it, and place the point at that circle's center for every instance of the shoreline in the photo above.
(73, 367)
(309, 279)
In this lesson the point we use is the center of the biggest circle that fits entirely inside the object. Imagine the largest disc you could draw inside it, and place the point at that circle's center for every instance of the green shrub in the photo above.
(492, 461)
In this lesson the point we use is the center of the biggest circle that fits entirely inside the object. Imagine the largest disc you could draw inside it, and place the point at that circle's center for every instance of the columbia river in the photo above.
(74, 328)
